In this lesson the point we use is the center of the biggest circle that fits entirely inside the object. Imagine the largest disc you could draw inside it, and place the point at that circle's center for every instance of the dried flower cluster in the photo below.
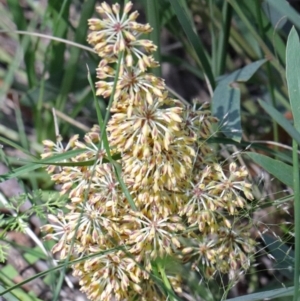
(187, 205)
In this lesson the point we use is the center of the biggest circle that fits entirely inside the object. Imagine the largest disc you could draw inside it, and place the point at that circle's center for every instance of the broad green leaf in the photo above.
(293, 74)
(279, 118)
(283, 172)
(226, 100)
(226, 107)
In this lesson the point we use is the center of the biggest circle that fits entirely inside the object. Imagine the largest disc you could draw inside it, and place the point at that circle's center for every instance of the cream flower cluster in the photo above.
(188, 206)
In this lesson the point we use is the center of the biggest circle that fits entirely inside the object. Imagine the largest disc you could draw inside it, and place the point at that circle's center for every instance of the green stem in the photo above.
(161, 269)
(103, 134)
(297, 219)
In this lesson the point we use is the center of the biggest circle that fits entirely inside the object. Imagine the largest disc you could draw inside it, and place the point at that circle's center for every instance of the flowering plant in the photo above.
(186, 205)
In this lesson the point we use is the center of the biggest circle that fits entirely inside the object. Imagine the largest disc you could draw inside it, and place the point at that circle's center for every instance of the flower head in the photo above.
(114, 33)
(132, 82)
(188, 205)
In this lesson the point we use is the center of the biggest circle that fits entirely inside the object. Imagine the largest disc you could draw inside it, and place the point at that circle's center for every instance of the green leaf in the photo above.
(59, 11)
(270, 34)
(283, 172)
(284, 8)
(7, 274)
(293, 75)
(153, 19)
(87, 10)
(81, 163)
(8, 296)
(226, 100)
(283, 122)
(29, 55)
(12, 287)
(293, 81)
(284, 156)
(243, 74)
(268, 295)
(227, 108)
(187, 26)
(33, 166)
(277, 18)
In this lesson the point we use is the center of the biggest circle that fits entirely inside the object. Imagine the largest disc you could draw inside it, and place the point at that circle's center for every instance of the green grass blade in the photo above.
(33, 166)
(14, 66)
(283, 172)
(29, 55)
(259, 145)
(293, 75)
(72, 64)
(58, 267)
(182, 63)
(60, 12)
(212, 29)
(259, 18)
(22, 134)
(296, 183)
(238, 7)
(268, 295)
(283, 122)
(270, 33)
(224, 38)
(286, 9)
(293, 81)
(193, 39)
(9, 296)
(152, 12)
(102, 123)
(7, 274)
(16, 146)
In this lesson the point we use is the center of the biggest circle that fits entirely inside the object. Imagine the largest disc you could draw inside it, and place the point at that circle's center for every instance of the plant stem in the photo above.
(171, 294)
(297, 219)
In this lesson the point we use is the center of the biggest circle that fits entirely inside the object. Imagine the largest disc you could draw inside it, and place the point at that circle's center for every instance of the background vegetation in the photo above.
(240, 55)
